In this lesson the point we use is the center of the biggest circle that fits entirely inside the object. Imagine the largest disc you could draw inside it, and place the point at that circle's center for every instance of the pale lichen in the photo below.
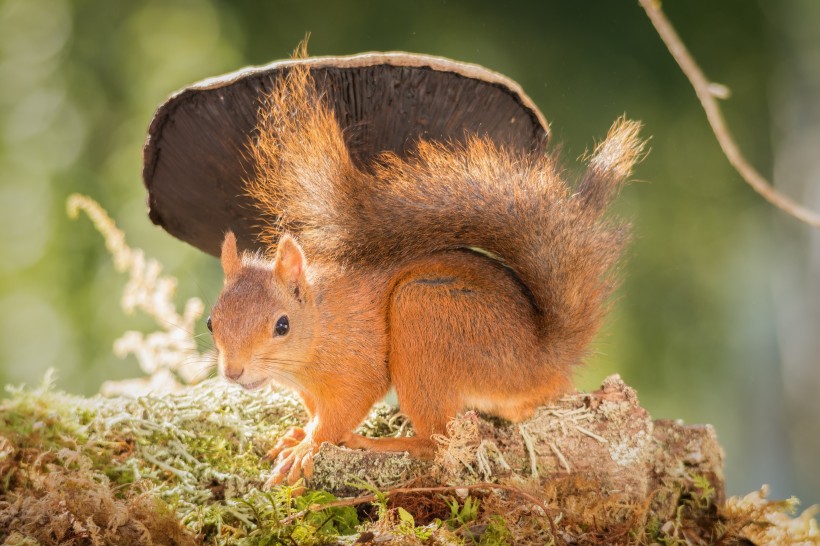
(197, 453)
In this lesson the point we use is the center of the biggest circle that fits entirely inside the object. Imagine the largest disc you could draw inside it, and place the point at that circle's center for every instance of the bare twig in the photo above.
(560, 456)
(708, 93)
(530, 449)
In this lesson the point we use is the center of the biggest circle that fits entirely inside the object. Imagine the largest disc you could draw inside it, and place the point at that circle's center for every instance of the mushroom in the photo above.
(195, 159)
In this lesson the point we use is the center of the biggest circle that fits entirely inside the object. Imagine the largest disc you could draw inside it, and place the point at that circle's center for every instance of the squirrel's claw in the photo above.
(293, 463)
(289, 440)
(301, 468)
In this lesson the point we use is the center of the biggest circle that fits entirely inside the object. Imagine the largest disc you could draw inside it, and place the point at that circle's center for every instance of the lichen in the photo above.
(195, 455)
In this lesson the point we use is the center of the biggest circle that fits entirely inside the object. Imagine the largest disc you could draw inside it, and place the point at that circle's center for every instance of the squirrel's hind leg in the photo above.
(463, 334)
(424, 358)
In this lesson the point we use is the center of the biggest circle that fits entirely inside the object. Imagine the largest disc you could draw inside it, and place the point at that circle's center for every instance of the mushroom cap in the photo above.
(195, 158)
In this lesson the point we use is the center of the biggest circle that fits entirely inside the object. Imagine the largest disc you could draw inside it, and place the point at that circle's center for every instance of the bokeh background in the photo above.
(718, 320)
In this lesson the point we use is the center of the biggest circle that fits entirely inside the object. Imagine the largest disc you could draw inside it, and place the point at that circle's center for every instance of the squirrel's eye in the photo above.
(282, 326)
(209, 325)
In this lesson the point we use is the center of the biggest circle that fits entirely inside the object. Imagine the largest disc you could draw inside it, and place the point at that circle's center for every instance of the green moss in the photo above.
(199, 453)
(188, 466)
(43, 418)
(496, 533)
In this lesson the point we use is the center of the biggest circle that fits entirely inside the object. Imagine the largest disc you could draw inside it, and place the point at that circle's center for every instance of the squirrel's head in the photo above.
(262, 323)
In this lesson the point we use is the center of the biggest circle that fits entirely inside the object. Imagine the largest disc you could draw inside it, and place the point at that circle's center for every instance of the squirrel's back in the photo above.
(513, 206)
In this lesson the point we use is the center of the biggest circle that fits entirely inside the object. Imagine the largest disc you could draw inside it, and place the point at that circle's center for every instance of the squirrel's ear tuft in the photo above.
(289, 266)
(230, 256)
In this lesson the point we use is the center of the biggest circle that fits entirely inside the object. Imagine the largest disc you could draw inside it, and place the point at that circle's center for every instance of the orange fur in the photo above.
(464, 275)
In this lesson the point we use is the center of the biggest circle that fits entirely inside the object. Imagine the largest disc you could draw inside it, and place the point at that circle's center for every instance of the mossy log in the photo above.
(187, 469)
(604, 436)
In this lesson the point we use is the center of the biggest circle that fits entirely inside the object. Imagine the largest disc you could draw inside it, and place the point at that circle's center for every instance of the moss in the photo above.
(198, 454)
(187, 469)
(44, 418)
(62, 500)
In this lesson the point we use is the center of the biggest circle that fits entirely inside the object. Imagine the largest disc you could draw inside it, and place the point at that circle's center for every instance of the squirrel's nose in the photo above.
(233, 375)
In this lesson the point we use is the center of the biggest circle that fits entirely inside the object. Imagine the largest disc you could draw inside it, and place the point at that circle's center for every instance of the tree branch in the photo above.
(708, 93)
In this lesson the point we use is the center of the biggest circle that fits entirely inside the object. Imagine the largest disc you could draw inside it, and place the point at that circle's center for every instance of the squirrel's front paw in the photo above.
(290, 439)
(293, 462)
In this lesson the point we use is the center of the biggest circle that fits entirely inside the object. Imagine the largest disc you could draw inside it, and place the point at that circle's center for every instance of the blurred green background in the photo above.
(718, 318)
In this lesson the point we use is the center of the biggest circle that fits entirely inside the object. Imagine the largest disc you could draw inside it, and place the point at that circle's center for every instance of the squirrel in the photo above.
(465, 275)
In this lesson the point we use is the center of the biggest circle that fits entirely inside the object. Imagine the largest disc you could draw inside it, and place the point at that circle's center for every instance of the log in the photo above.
(605, 436)
(185, 468)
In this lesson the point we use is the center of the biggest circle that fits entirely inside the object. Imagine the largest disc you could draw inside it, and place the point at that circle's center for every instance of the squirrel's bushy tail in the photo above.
(443, 196)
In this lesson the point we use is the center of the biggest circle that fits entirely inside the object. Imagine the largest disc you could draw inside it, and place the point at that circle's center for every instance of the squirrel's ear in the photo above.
(230, 256)
(289, 266)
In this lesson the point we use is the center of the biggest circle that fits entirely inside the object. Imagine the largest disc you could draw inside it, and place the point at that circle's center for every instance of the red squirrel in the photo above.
(465, 275)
